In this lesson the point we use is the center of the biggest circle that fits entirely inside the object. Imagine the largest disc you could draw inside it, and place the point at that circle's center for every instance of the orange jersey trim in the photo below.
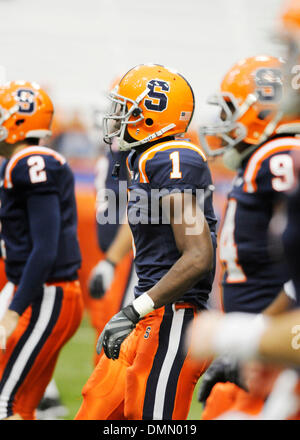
(130, 172)
(151, 152)
(127, 165)
(28, 151)
(254, 164)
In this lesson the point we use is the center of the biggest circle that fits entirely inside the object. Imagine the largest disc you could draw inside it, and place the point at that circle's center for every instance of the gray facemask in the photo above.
(232, 159)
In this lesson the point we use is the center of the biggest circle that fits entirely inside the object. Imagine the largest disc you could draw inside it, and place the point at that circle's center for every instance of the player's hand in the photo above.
(116, 330)
(223, 369)
(8, 324)
(101, 278)
(6, 296)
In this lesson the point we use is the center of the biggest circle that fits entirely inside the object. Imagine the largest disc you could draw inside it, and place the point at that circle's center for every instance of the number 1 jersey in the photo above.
(156, 171)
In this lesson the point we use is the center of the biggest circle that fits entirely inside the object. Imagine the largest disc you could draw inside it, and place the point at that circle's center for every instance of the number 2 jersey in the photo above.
(155, 171)
(255, 271)
(38, 222)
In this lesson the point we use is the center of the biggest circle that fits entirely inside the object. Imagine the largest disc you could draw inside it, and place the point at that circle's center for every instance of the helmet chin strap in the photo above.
(249, 101)
(123, 145)
(270, 128)
(233, 159)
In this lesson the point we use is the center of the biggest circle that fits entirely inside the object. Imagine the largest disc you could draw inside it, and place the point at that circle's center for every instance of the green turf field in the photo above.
(75, 366)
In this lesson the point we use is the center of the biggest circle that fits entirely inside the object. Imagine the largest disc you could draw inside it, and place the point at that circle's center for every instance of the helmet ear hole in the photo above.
(20, 122)
(149, 122)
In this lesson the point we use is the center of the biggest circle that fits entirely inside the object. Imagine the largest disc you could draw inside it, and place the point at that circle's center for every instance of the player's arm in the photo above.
(193, 239)
(44, 221)
(245, 337)
(280, 341)
(282, 303)
(121, 244)
(103, 273)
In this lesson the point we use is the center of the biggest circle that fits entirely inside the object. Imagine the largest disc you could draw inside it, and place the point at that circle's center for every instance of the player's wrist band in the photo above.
(289, 289)
(239, 335)
(143, 304)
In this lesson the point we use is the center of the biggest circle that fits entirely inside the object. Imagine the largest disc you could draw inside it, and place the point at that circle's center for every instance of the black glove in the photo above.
(101, 278)
(222, 369)
(116, 330)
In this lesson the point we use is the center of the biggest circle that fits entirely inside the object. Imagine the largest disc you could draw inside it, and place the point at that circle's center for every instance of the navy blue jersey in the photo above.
(254, 273)
(167, 166)
(291, 235)
(38, 221)
(104, 180)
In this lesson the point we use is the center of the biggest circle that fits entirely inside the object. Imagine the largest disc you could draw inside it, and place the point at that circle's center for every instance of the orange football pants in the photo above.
(227, 396)
(3, 279)
(153, 378)
(28, 363)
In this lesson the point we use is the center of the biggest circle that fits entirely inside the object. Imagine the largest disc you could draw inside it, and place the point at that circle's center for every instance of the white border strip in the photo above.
(36, 149)
(170, 145)
(174, 341)
(46, 310)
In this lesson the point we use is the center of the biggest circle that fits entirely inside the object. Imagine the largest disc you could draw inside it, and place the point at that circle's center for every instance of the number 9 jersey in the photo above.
(254, 270)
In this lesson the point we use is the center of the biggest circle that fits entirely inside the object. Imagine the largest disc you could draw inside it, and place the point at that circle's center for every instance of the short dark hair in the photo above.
(32, 141)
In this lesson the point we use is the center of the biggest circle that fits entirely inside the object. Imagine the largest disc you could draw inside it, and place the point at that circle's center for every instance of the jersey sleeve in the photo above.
(35, 174)
(43, 215)
(177, 168)
(273, 174)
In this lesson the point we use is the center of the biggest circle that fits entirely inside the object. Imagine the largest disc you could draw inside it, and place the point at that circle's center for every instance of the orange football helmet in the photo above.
(149, 102)
(290, 16)
(25, 112)
(249, 104)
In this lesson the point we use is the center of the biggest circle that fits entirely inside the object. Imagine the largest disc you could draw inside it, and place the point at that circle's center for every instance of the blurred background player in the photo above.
(37, 196)
(257, 142)
(74, 140)
(51, 406)
(149, 376)
(290, 32)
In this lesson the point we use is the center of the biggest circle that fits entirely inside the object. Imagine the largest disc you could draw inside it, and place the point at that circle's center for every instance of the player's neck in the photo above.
(16, 148)
(145, 147)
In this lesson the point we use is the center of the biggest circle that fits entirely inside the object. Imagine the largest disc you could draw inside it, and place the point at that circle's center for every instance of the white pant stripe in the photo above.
(29, 346)
(174, 340)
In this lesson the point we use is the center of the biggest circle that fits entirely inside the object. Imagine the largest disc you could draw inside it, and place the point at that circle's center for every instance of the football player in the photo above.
(40, 248)
(257, 142)
(145, 373)
(290, 31)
